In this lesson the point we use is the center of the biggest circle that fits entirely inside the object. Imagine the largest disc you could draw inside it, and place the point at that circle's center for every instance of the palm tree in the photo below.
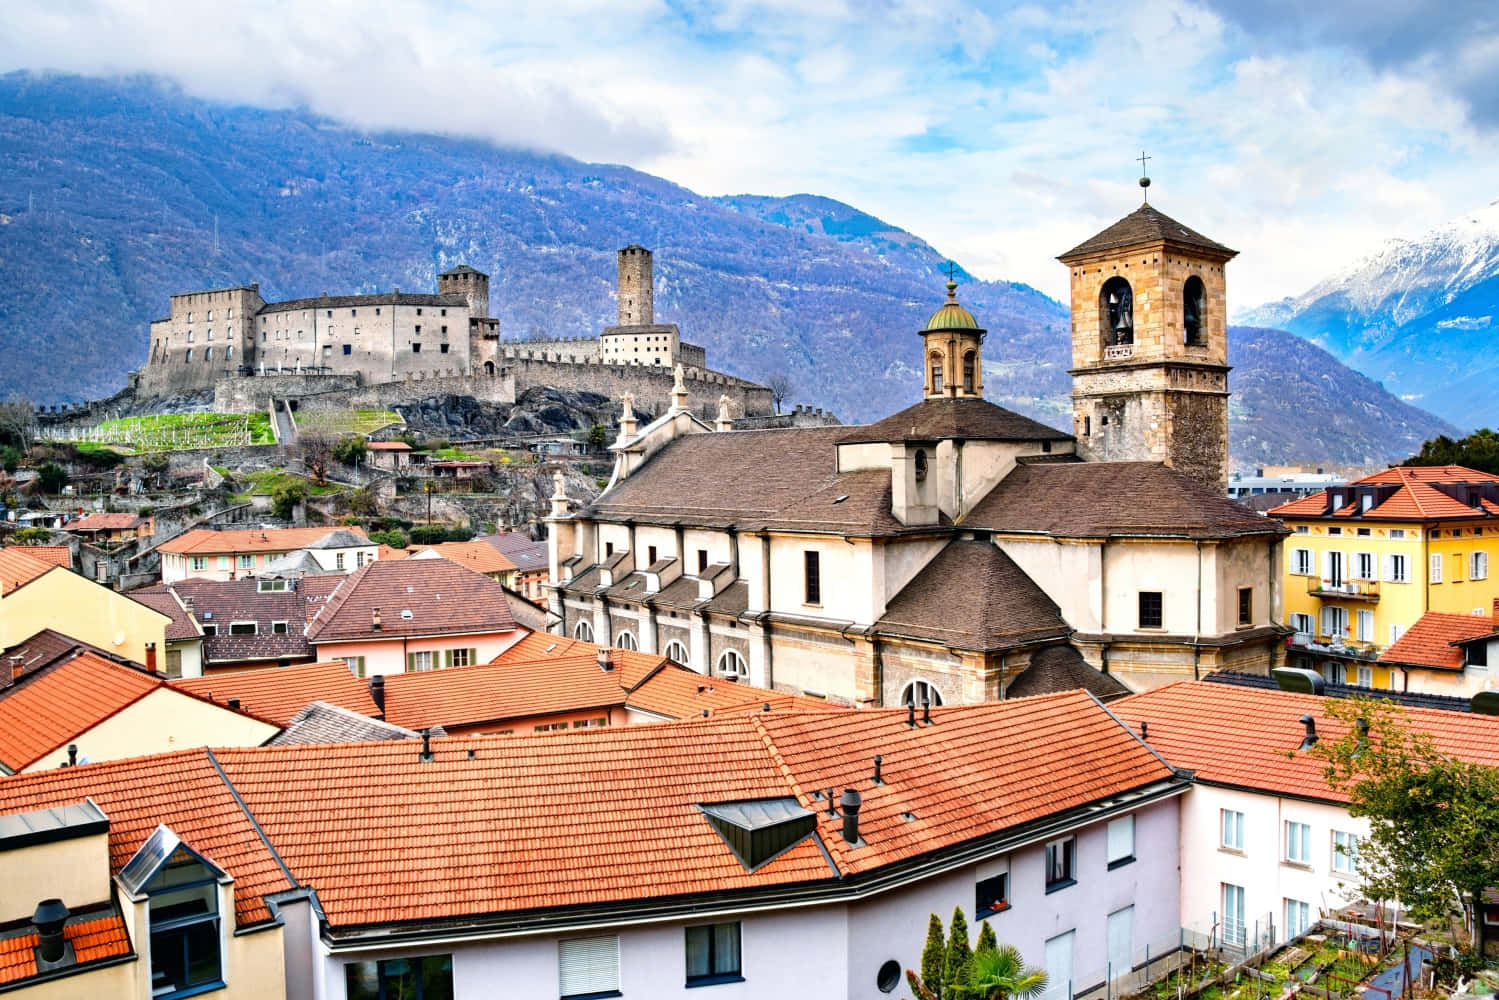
(1002, 974)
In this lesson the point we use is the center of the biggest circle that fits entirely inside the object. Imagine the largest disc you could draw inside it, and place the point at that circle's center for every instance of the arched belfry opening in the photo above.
(970, 372)
(1116, 312)
(1194, 295)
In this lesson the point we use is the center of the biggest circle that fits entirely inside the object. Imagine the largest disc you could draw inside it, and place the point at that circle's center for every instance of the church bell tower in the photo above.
(951, 349)
(1150, 346)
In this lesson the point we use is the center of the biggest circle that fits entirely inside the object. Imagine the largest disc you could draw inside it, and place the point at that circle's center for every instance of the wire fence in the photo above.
(1175, 965)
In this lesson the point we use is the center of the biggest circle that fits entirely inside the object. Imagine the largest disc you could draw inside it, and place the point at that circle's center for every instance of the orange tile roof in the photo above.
(279, 693)
(388, 446)
(1414, 500)
(18, 568)
(538, 645)
(481, 557)
(52, 555)
(183, 790)
(679, 693)
(1429, 642)
(104, 522)
(1243, 736)
(93, 940)
(202, 541)
(443, 598)
(388, 552)
(46, 711)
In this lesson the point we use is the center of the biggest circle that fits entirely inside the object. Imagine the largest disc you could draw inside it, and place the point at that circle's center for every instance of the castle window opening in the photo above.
(416, 348)
(418, 310)
(377, 310)
(330, 313)
(443, 348)
(210, 315)
(208, 354)
(210, 334)
(229, 352)
(444, 329)
(229, 313)
(189, 336)
(418, 328)
(444, 312)
(353, 312)
(188, 359)
(348, 349)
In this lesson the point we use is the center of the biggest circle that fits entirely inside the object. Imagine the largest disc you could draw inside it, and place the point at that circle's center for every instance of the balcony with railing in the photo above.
(1344, 590)
(1336, 646)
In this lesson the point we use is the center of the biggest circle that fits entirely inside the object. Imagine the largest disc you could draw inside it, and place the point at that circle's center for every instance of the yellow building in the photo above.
(34, 597)
(1366, 560)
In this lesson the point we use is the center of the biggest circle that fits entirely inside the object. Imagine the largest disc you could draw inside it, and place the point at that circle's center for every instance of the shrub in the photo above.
(53, 477)
(351, 450)
(284, 499)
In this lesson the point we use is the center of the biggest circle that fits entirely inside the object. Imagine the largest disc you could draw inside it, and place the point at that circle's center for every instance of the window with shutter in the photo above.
(1121, 841)
(1436, 567)
(588, 966)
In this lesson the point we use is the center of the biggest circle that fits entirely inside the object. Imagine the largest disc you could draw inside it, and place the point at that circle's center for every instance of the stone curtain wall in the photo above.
(343, 392)
(651, 386)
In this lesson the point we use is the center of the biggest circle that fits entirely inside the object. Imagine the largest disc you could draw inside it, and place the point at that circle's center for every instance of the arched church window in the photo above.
(626, 640)
(1193, 296)
(1117, 312)
(936, 364)
(731, 666)
(920, 693)
(583, 631)
(677, 653)
(969, 374)
(920, 464)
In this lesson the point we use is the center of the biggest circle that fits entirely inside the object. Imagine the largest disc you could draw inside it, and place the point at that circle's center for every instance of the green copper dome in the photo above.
(951, 316)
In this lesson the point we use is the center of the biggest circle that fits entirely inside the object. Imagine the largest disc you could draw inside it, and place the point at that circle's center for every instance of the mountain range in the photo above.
(1420, 315)
(114, 194)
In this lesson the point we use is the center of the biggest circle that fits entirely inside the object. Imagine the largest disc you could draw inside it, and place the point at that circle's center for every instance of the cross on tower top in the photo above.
(952, 270)
(1144, 175)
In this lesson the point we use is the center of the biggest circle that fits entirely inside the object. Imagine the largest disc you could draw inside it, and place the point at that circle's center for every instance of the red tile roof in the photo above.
(1413, 500)
(201, 541)
(18, 568)
(388, 446)
(443, 598)
(279, 693)
(481, 557)
(93, 939)
(183, 626)
(1429, 642)
(1244, 737)
(104, 522)
(51, 708)
(52, 555)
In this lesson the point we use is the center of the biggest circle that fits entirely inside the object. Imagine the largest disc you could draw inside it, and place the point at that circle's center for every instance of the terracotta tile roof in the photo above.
(104, 522)
(973, 596)
(765, 477)
(17, 569)
(279, 693)
(1410, 494)
(48, 710)
(944, 419)
(387, 553)
(203, 541)
(1243, 736)
(1146, 225)
(443, 598)
(1062, 668)
(182, 790)
(676, 692)
(481, 557)
(388, 446)
(539, 645)
(38, 652)
(93, 938)
(182, 625)
(52, 555)
(1429, 642)
(1100, 499)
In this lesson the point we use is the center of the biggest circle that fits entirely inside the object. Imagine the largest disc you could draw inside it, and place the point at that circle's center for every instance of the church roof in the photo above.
(783, 479)
(950, 418)
(972, 596)
(1062, 668)
(1146, 225)
(1100, 499)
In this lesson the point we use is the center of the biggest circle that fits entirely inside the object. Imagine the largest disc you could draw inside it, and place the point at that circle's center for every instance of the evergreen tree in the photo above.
(928, 986)
(957, 968)
(987, 940)
(1479, 450)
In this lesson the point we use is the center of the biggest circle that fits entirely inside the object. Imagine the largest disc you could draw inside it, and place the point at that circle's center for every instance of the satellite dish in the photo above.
(119, 639)
(1298, 680)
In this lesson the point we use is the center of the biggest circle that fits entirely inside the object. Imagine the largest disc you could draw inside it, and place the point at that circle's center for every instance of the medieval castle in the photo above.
(385, 348)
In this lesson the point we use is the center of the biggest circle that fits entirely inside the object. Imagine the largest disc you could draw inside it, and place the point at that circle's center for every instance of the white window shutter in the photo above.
(1328, 626)
(588, 965)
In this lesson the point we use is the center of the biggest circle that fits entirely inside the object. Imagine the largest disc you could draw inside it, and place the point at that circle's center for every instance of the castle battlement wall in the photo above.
(651, 386)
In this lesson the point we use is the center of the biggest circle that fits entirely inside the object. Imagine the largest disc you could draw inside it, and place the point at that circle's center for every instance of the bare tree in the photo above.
(317, 456)
(779, 384)
(18, 421)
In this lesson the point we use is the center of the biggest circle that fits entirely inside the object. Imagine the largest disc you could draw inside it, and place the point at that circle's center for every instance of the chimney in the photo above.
(377, 692)
(926, 712)
(606, 659)
(72, 754)
(851, 803)
(375, 620)
(1310, 740)
(1495, 609)
(49, 918)
(911, 715)
(151, 657)
(878, 760)
(426, 757)
(234, 704)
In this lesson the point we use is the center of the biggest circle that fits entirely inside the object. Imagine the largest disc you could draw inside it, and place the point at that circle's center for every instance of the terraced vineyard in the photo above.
(178, 431)
(334, 423)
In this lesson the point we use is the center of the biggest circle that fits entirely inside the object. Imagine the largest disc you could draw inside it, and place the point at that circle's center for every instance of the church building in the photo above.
(955, 551)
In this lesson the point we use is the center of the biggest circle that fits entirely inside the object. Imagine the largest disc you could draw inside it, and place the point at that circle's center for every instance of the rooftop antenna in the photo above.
(1145, 176)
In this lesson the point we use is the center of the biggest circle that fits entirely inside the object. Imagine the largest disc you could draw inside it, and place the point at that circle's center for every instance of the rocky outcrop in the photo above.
(537, 412)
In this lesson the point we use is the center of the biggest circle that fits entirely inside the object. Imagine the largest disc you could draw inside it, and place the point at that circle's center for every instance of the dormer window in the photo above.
(182, 889)
(760, 830)
(920, 465)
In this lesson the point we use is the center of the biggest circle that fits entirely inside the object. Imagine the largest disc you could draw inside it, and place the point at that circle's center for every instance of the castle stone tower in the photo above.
(471, 284)
(951, 342)
(1150, 346)
(636, 307)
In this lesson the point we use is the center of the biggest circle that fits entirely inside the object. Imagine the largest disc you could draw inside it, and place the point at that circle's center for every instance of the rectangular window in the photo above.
(348, 349)
(462, 657)
(200, 562)
(210, 630)
(1436, 567)
(713, 954)
(1232, 823)
(1121, 841)
(1233, 915)
(427, 978)
(1058, 964)
(185, 932)
(1061, 858)
(1344, 852)
(1397, 532)
(1363, 565)
(1246, 605)
(1150, 609)
(608, 549)
(356, 664)
(650, 554)
(338, 560)
(416, 348)
(246, 562)
(813, 577)
(1121, 933)
(442, 348)
(174, 663)
(587, 966)
(1478, 566)
(1364, 622)
(1301, 562)
(1334, 531)
(1298, 918)
(243, 628)
(1304, 625)
(992, 894)
(1365, 677)
(416, 662)
(1298, 843)
(1477, 655)
(702, 560)
(359, 560)
(1335, 622)
(1396, 631)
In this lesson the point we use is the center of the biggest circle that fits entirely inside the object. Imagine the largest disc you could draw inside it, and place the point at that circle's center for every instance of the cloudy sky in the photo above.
(1302, 134)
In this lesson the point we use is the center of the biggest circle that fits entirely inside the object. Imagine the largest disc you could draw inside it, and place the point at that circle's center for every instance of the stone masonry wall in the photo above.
(651, 386)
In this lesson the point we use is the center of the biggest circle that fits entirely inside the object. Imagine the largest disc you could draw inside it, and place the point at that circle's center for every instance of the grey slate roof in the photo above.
(339, 539)
(972, 596)
(1146, 225)
(1062, 668)
(321, 722)
(378, 299)
(953, 418)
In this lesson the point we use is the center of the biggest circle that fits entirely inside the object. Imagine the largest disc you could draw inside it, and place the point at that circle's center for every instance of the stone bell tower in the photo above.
(1150, 346)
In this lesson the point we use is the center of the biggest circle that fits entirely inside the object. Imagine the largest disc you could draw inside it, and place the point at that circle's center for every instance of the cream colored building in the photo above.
(61, 600)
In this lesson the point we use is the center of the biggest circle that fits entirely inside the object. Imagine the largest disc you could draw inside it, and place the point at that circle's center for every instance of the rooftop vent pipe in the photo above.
(72, 754)
(1310, 740)
(926, 712)
(1144, 730)
(606, 659)
(377, 692)
(911, 715)
(426, 757)
(878, 760)
(832, 806)
(375, 620)
(851, 803)
(49, 918)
